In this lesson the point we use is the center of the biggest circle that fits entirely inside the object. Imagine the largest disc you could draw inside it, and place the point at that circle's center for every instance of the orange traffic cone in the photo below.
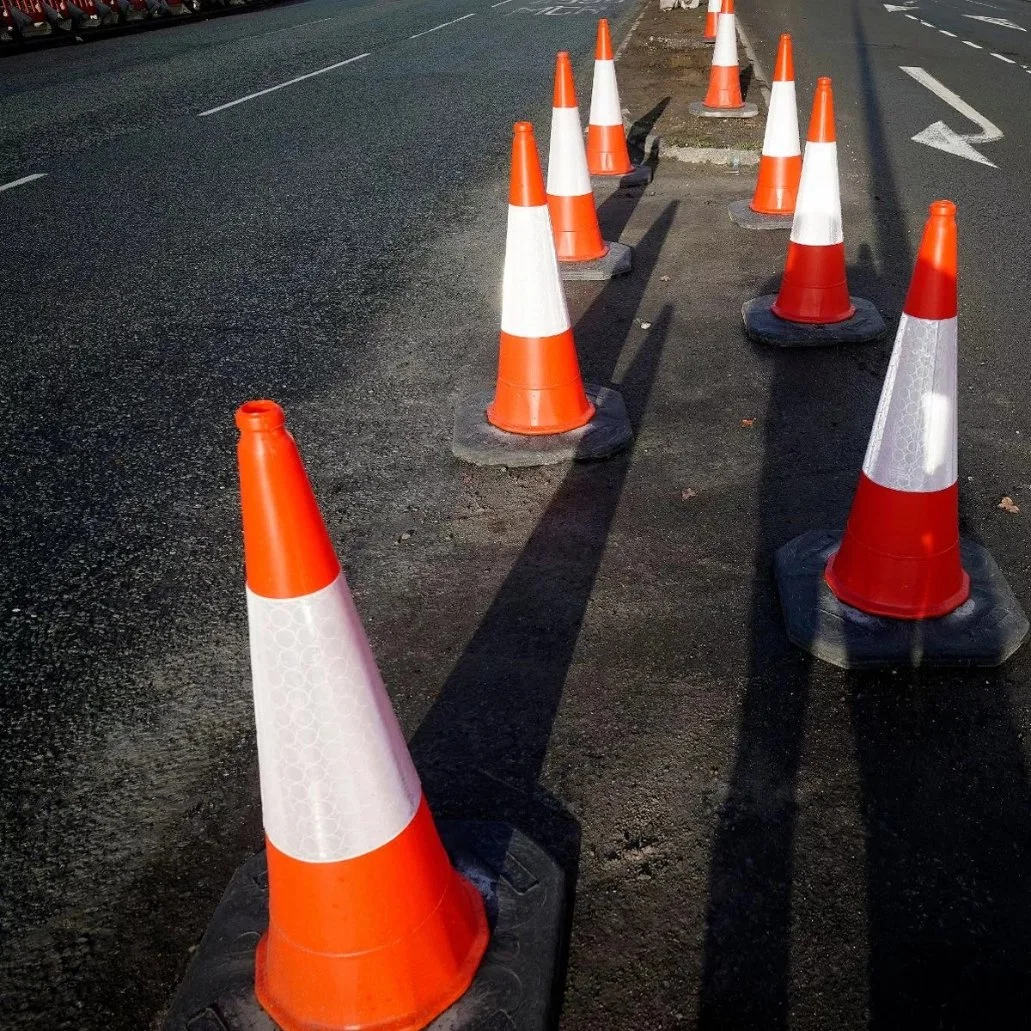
(712, 17)
(900, 554)
(901, 557)
(574, 218)
(724, 99)
(539, 389)
(814, 306)
(540, 412)
(607, 151)
(369, 924)
(780, 168)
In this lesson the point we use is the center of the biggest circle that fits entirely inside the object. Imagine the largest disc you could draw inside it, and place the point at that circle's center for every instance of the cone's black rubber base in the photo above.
(741, 214)
(516, 986)
(701, 110)
(476, 441)
(762, 326)
(984, 631)
(639, 175)
(616, 262)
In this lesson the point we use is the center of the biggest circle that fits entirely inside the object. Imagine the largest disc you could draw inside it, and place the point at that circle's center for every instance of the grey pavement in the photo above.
(594, 652)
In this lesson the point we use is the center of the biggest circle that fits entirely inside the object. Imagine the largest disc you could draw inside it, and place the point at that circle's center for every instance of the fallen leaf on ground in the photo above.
(687, 494)
(748, 423)
(646, 325)
(665, 279)
(1007, 505)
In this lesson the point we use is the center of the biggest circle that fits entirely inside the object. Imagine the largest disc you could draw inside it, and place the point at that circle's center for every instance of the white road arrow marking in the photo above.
(892, 8)
(1003, 22)
(941, 137)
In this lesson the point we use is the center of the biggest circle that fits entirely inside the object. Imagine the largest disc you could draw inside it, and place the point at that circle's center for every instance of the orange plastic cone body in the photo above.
(388, 935)
(607, 151)
(574, 217)
(712, 16)
(539, 388)
(900, 556)
(815, 285)
(776, 190)
(725, 78)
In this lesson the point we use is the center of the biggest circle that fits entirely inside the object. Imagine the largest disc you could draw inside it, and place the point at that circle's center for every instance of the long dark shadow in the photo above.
(815, 428)
(482, 745)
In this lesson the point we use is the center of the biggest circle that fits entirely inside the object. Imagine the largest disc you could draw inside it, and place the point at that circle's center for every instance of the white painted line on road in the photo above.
(940, 136)
(23, 181)
(976, 46)
(502, 4)
(927, 23)
(444, 25)
(912, 17)
(282, 85)
(1001, 58)
(945, 32)
(1004, 23)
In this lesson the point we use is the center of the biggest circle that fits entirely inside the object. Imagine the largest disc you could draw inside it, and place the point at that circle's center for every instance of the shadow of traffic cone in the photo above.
(369, 924)
(813, 307)
(712, 17)
(724, 99)
(607, 151)
(901, 558)
(780, 168)
(541, 412)
(582, 252)
(360, 915)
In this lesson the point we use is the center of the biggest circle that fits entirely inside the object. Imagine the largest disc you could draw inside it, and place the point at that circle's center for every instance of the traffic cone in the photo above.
(712, 17)
(780, 168)
(607, 151)
(540, 411)
(539, 389)
(574, 218)
(900, 553)
(724, 99)
(814, 306)
(894, 589)
(369, 924)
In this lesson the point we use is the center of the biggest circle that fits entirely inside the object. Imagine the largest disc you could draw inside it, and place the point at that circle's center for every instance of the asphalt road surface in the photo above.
(171, 265)
(594, 653)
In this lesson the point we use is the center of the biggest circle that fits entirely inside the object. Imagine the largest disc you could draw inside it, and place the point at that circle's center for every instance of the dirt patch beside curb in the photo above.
(665, 67)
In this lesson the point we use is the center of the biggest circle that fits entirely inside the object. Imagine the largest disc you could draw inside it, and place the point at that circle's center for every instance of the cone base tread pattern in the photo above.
(515, 987)
(741, 214)
(702, 110)
(616, 261)
(984, 631)
(763, 327)
(477, 441)
(639, 175)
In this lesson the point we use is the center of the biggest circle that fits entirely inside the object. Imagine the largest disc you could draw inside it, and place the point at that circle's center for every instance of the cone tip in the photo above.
(523, 127)
(821, 126)
(943, 209)
(261, 416)
(565, 90)
(785, 69)
(603, 50)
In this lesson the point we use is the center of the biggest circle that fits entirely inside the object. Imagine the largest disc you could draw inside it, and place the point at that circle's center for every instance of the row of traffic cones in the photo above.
(371, 923)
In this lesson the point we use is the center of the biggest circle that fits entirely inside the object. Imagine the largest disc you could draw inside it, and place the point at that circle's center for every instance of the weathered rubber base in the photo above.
(476, 441)
(639, 175)
(515, 987)
(617, 262)
(741, 214)
(984, 631)
(764, 327)
(700, 110)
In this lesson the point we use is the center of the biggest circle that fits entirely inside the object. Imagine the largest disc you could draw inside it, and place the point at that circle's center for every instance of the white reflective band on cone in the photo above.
(567, 159)
(725, 52)
(605, 108)
(336, 777)
(781, 140)
(817, 220)
(532, 301)
(913, 442)
(714, 6)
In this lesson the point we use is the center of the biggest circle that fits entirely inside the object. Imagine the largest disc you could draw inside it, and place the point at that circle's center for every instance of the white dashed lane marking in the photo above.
(21, 182)
(443, 25)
